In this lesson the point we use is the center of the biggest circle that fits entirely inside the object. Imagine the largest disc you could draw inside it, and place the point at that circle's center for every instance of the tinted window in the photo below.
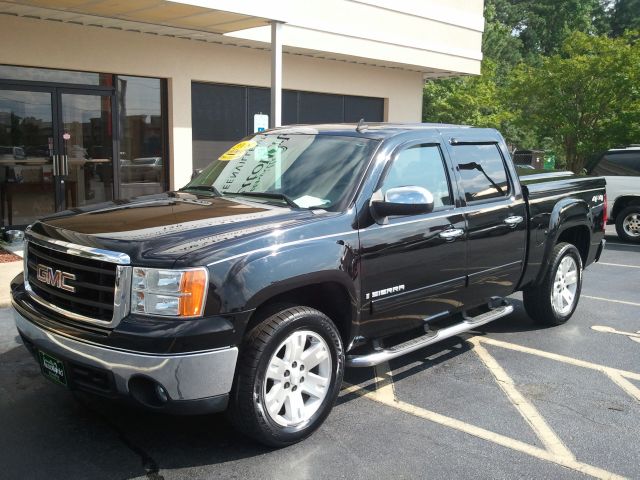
(421, 166)
(219, 119)
(9, 72)
(371, 109)
(142, 130)
(482, 171)
(222, 114)
(619, 163)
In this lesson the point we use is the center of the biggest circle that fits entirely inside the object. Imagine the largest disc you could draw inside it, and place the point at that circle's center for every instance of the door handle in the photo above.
(65, 165)
(513, 220)
(55, 166)
(451, 234)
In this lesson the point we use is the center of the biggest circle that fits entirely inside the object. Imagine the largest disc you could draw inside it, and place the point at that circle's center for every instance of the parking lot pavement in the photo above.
(512, 400)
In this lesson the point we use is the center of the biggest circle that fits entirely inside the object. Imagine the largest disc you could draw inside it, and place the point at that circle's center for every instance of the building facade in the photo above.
(104, 99)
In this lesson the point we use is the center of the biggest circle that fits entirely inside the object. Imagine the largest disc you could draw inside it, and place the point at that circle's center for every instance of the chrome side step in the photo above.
(386, 354)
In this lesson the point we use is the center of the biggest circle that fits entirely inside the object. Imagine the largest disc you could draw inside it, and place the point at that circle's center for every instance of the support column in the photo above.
(275, 119)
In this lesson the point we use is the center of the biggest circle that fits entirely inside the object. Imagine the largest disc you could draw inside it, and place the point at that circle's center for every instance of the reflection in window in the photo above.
(26, 149)
(420, 166)
(142, 141)
(482, 171)
(9, 72)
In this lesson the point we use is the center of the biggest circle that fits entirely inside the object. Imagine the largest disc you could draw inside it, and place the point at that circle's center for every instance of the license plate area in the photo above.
(52, 368)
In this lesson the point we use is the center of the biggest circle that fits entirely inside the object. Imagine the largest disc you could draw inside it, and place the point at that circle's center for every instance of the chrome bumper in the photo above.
(192, 376)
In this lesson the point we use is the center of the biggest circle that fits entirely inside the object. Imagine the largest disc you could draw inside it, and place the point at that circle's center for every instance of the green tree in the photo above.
(625, 16)
(586, 97)
(541, 26)
(498, 42)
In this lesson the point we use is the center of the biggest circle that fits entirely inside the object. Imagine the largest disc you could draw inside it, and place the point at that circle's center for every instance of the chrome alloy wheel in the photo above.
(297, 379)
(631, 225)
(565, 285)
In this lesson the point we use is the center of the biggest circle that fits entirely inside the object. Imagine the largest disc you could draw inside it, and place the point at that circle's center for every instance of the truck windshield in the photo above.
(308, 170)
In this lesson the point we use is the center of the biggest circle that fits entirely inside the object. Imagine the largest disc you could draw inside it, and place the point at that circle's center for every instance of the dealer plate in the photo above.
(52, 368)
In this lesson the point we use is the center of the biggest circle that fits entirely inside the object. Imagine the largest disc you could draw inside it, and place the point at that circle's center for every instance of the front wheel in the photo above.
(289, 376)
(628, 224)
(556, 298)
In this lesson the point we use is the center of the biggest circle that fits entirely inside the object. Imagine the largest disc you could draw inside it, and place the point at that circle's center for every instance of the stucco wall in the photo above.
(41, 43)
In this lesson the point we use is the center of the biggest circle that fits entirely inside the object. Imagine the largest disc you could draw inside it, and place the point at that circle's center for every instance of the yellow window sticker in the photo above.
(237, 151)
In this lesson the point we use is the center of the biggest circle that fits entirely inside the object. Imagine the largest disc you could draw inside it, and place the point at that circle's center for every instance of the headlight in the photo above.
(175, 293)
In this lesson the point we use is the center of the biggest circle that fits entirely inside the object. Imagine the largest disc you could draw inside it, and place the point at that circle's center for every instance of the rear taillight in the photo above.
(604, 213)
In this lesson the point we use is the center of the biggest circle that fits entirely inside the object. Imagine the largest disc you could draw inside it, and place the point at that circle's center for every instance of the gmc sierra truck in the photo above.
(298, 252)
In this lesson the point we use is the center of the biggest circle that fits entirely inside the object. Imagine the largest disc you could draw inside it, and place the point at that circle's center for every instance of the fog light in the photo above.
(162, 393)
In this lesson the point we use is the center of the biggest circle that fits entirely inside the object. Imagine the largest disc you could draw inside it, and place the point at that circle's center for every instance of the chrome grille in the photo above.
(99, 284)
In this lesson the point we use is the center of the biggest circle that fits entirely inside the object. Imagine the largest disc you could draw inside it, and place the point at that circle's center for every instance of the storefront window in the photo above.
(10, 72)
(142, 137)
(222, 114)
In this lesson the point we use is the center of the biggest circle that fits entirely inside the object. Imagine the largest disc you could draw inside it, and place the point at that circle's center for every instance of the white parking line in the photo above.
(385, 395)
(605, 329)
(543, 431)
(560, 358)
(622, 244)
(618, 265)
(624, 302)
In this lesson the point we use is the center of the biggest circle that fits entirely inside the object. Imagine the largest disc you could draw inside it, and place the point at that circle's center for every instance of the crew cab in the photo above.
(298, 252)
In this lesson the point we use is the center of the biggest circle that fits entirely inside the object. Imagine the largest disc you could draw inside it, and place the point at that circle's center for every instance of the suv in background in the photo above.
(621, 168)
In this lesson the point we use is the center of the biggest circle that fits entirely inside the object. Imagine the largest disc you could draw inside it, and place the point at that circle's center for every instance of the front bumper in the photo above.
(195, 382)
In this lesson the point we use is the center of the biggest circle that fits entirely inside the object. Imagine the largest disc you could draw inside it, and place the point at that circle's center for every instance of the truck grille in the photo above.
(93, 282)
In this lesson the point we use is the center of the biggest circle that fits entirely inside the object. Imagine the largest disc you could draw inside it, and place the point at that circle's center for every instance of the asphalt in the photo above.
(444, 416)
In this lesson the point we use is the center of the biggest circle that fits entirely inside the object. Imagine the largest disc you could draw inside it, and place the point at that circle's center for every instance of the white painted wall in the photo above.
(42, 43)
(427, 34)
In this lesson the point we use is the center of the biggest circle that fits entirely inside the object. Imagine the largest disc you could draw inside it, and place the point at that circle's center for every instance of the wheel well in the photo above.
(579, 237)
(331, 298)
(622, 203)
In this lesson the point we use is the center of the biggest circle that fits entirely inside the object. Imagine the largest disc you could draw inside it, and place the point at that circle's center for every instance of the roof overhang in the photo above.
(306, 31)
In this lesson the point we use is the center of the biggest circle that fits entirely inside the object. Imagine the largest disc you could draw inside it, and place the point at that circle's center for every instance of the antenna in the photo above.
(361, 126)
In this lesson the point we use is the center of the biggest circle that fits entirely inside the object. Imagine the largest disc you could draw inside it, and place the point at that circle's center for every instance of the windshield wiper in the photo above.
(206, 188)
(278, 196)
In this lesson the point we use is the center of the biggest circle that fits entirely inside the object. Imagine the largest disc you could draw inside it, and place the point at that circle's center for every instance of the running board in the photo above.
(386, 354)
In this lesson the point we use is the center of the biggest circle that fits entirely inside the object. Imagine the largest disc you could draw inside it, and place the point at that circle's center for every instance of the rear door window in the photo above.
(483, 174)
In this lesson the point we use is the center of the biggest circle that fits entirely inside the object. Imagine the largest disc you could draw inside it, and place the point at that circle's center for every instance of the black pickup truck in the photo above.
(299, 252)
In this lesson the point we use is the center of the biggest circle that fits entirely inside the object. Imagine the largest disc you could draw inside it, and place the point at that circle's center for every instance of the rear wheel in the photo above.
(289, 376)
(628, 224)
(556, 298)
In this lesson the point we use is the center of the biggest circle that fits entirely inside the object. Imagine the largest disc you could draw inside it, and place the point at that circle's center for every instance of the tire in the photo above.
(262, 381)
(540, 302)
(628, 224)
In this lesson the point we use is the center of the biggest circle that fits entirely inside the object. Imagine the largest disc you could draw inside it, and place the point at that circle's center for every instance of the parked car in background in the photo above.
(621, 168)
(145, 169)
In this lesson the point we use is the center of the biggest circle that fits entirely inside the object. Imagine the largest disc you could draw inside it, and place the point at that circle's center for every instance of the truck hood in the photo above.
(157, 230)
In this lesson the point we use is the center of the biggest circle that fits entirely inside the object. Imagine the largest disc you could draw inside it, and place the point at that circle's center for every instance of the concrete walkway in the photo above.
(7, 272)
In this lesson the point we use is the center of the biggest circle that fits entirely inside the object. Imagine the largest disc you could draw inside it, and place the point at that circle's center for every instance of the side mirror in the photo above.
(410, 200)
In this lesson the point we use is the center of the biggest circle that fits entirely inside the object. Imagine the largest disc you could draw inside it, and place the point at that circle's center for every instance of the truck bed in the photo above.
(544, 191)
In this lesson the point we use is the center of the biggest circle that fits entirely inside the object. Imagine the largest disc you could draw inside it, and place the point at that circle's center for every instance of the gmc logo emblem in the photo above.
(55, 278)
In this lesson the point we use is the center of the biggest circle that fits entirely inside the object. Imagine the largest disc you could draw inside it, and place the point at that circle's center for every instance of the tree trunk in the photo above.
(571, 154)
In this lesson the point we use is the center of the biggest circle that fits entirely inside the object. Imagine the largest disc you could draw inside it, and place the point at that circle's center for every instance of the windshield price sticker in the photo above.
(237, 151)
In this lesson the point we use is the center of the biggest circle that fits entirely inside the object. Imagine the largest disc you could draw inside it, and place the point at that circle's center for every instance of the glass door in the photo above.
(28, 146)
(56, 151)
(86, 139)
